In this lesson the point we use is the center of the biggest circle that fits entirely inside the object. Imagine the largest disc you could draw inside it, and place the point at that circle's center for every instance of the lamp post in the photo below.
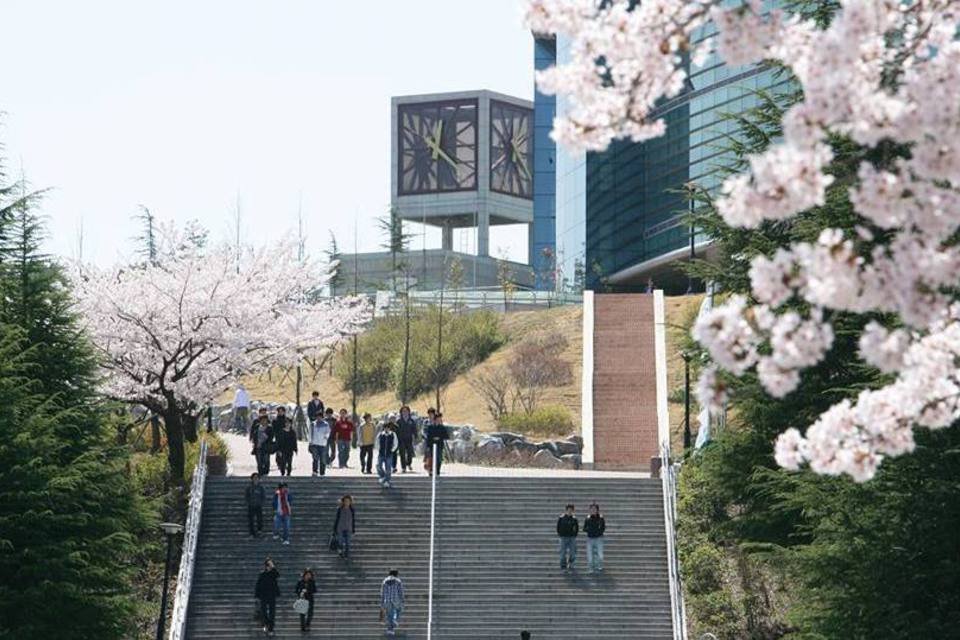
(686, 399)
(691, 187)
(170, 529)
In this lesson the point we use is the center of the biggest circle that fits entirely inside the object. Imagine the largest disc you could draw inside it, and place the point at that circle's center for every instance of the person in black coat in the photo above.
(315, 407)
(255, 495)
(267, 590)
(567, 529)
(306, 588)
(345, 525)
(407, 434)
(437, 435)
(286, 448)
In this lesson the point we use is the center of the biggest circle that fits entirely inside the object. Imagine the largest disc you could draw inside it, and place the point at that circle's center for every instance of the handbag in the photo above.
(334, 542)
(301, 606)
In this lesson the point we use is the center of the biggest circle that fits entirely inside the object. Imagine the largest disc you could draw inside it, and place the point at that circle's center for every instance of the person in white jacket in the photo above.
(319, 435)
(387, 443)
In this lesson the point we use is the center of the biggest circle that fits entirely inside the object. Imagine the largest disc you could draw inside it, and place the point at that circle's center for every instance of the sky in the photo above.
(191, 107)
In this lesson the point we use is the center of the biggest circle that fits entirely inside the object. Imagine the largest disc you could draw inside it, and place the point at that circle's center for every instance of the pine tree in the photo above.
(70, 519)
(877, 559)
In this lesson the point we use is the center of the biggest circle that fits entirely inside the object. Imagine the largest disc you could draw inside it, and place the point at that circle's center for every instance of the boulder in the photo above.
(461, 450)
(524, 447)
(490, 448)
(571, 460)
(507, 437)
(547, 460)
(576, 439)
(566, 448)
(466, 432)
(549, 446)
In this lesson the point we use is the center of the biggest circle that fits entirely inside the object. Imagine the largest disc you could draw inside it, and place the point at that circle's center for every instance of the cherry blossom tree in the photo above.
(884, 74)
(174, 333)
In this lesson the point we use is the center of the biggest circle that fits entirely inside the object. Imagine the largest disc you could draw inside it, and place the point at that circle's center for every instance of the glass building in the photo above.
(543, 234)
(619, 213)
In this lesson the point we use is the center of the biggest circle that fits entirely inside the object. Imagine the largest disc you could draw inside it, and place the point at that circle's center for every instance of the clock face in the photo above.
(511, 150)
(437, 146)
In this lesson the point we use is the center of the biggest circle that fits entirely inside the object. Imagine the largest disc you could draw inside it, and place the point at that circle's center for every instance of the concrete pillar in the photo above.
(483, 232)
(447, 237)
(586, 384)
(531, 259)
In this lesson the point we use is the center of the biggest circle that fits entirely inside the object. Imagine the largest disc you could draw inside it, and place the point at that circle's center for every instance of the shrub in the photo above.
(536, 365)
(548, 420)
(467, 339)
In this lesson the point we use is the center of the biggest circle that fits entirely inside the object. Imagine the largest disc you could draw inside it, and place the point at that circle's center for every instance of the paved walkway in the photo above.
(243, 464)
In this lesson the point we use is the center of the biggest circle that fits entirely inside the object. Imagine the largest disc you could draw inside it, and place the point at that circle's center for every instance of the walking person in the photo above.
(567, 529)
(331, 419)
(286, 448)
(266, 591)
(315, 407)
(436, 436)
(255, 495)
(387, 446)
(319, 436)
(345, 525)
(263, 443)
(392, 423)
(279, 423)
(407, 438)
(594, 526)
(343, 432)
(391, 601)
(283, 510)
(367, 437)
(241, 409)
(306, 588)
(261, 413)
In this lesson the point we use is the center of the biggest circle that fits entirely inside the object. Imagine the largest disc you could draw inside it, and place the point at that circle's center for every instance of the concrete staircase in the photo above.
(496, 570)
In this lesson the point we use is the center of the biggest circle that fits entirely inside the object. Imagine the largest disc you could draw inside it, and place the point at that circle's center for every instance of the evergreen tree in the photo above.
(70, 519)
(872, 560)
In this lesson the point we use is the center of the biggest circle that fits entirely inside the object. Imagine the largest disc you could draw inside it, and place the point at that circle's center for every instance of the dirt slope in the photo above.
(460, 403)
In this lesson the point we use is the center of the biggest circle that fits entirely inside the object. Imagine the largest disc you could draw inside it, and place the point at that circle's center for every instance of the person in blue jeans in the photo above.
(282, 509)
(387, 444)
(345, 525)
(567, 529)
(391, 601)
(594, 526)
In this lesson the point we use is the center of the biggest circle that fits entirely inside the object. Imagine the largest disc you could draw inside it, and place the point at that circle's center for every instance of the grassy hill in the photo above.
(460, 403)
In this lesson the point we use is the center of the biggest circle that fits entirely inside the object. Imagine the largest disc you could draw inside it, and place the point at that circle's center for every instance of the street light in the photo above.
(686, 399)
(170, 529)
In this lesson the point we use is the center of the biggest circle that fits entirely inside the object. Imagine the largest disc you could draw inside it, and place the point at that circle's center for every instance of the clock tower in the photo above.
(462, 160)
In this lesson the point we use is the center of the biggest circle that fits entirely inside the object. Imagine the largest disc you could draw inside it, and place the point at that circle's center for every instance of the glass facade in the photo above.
(544, 233)
(634, 203)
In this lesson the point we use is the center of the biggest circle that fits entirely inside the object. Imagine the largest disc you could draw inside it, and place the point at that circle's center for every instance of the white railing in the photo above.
(668, 476)
(433, 528)
(178, 621)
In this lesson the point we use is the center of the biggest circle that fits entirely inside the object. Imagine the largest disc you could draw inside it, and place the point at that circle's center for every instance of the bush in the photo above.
(548, 420)
(467, 339)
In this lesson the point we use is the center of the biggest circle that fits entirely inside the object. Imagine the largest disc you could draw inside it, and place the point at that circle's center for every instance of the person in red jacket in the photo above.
(343, 432)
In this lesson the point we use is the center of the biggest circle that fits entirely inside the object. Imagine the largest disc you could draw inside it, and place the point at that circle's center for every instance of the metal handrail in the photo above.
(433, 521)
(178, 621)
(668, 476)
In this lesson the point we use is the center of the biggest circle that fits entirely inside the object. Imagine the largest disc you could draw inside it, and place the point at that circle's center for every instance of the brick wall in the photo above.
(624, 381)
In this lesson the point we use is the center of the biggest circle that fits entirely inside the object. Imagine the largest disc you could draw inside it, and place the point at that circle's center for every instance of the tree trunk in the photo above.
(173, 421)
(154, 433)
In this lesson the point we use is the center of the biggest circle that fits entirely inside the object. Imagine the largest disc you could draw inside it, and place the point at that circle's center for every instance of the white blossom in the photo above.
(881, 71)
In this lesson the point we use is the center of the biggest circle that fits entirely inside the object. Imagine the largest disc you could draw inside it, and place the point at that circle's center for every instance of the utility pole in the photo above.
(443, 273)
(687, 436)
(300, 255)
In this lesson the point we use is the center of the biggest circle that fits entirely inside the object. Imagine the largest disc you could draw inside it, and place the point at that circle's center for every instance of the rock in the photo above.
(566, 448)
(524, 447)
(461, 450)
(466, 432)
(507, 437)
(490, 448)
(547, 460)
(549, 446)
(571, 460)
(576, 439)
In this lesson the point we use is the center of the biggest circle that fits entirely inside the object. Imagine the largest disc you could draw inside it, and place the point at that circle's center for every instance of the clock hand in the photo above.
(499, 161)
